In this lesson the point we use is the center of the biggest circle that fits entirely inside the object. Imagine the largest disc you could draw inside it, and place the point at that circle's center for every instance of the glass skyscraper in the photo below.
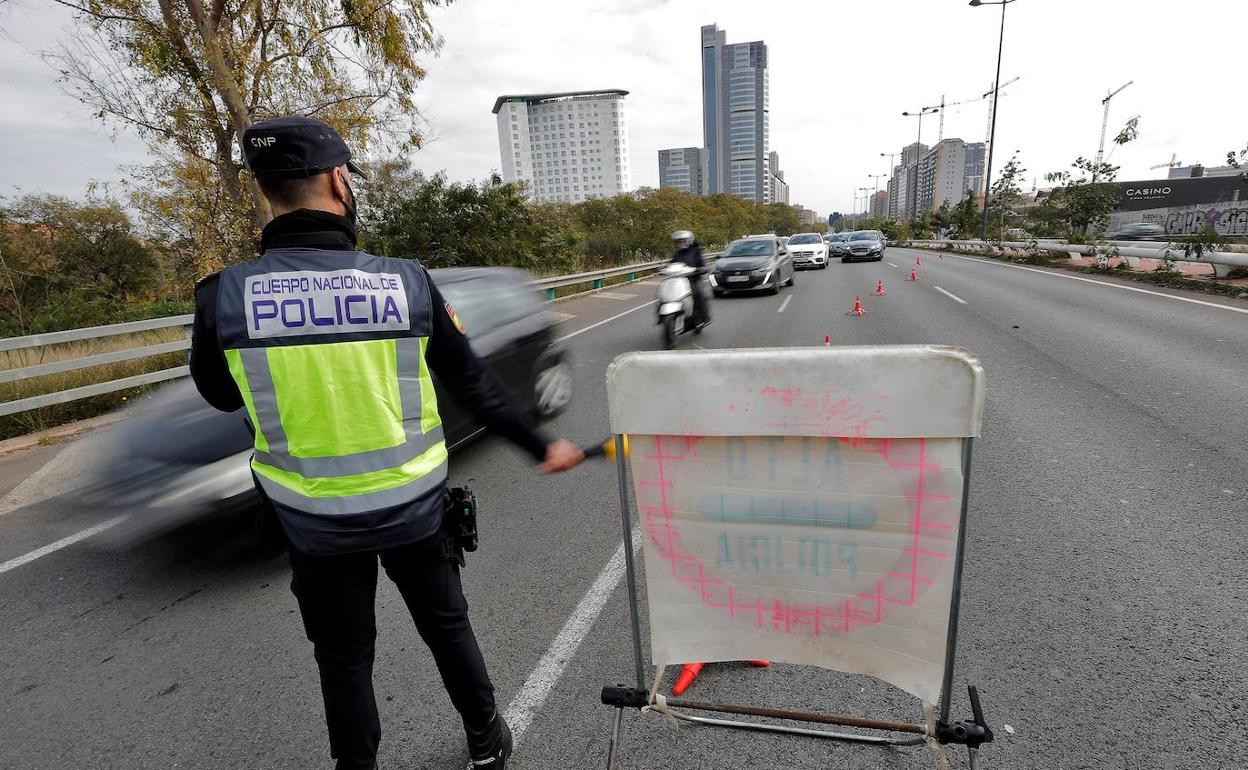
(735, 126)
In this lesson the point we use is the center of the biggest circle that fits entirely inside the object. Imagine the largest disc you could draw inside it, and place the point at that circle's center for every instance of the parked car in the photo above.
(865, 245)
(838, 244)
(751, 264)
(1138, 231)
(808, 250)
(176, 460)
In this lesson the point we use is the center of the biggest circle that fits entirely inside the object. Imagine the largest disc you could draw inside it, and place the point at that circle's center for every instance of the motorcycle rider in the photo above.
(689, 252)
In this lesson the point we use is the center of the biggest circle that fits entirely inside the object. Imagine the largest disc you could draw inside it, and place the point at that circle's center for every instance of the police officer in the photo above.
(330, 350)
(689, 252)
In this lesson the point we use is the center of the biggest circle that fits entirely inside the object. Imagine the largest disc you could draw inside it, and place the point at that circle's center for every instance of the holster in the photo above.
(461, 512)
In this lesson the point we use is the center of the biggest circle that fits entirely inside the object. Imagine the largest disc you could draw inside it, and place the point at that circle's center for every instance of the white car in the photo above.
(809, 250)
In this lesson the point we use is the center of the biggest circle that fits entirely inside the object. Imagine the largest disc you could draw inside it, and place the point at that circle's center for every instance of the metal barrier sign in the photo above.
(803, 505)
(828, 551)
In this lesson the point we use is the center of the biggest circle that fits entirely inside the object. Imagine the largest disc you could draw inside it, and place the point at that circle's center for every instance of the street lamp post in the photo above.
(992, 132)
(891, 166)
(918, 142)
(864, 191)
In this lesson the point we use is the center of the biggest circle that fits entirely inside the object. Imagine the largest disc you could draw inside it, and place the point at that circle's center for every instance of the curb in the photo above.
(59, 433)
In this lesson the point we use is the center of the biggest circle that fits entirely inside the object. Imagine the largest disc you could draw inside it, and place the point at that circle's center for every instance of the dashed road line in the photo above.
(890, 264)
(949, 295)
(784, 304)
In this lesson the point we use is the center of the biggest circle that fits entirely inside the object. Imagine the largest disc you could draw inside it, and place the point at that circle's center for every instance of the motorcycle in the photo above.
(676, 303)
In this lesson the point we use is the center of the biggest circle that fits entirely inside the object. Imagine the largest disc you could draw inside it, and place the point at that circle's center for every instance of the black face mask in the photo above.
(349, 205)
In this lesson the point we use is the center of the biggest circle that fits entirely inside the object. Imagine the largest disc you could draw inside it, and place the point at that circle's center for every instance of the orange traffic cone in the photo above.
(879, 288)
(918, 261)
(827, 340)
(913, 275)
(687, 675)
(939, 255)
(858, 309)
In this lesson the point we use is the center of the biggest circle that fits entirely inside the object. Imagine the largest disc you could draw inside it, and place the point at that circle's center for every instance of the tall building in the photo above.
(806, 216)
(684, 169)
(879, 204)
(974, 181)
(903, 186)
(568, 146)
(942, 175)
(735, 128)
(778, 188)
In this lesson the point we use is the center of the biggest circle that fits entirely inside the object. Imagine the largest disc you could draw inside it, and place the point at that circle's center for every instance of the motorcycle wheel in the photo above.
(669, 332)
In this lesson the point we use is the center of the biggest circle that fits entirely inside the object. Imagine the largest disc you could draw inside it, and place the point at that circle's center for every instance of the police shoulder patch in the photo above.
(450, 311)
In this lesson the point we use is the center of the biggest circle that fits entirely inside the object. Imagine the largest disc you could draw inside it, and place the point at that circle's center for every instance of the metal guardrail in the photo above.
(596, 277)
(1139, 249)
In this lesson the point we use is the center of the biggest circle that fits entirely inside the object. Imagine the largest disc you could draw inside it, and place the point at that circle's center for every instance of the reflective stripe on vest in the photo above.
(345, 422)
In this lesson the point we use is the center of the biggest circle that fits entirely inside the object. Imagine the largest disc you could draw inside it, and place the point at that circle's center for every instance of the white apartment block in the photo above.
(568, 147)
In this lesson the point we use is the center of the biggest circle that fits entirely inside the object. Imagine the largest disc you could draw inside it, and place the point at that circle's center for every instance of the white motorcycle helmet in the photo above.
(682, 238)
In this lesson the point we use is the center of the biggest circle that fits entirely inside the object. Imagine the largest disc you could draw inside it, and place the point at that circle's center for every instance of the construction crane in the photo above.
(1174, 163)
(992, 106)
(941, 132)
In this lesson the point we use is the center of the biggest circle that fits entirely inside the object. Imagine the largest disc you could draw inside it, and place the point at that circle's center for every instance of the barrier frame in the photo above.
(936, 729)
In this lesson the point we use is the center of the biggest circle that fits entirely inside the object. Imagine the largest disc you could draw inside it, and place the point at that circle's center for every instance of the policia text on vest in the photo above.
(331, 352)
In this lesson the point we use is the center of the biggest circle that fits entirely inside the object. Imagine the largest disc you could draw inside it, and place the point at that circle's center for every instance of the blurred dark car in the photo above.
(1138, 231)
(864, 244)
(753, 263)
(176, 459)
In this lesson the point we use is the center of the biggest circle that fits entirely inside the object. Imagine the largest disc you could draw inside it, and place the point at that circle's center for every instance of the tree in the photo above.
(1238, 160)
(781, 219)
(965, 217)
(191, 76)
(1080, 204)
(64, 263)
(452, 224)
(1005, 196)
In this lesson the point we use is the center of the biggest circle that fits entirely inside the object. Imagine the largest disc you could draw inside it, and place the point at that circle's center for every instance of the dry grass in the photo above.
(46, 417)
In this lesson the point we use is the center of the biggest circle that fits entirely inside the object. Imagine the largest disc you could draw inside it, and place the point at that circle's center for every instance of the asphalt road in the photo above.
(1104, 593)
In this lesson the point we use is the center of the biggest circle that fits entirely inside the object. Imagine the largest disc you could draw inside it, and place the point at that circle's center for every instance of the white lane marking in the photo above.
(605, 321)
(59, 544)
(950, 296)
(613, 295)
(784, 304)
(1107, 284)
(60, 474)
(890, 264)
(541, 682)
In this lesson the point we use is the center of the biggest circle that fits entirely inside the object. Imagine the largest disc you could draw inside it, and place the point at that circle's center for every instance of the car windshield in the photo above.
(837, 237)
(863, 237)
(805, 238)
(757, 248)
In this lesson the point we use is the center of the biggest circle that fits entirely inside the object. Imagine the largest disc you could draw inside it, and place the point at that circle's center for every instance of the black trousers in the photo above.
(336, 596)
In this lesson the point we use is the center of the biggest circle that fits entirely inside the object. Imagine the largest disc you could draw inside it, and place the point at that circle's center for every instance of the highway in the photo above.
(1104, 594)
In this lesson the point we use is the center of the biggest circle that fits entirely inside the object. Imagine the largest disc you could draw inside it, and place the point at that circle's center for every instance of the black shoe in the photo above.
(492, 752)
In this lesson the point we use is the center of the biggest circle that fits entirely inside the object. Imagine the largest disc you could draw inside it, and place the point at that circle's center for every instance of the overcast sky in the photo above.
(841, 75)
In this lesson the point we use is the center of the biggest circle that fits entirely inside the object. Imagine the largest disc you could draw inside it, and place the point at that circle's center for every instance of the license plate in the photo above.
(737, 278)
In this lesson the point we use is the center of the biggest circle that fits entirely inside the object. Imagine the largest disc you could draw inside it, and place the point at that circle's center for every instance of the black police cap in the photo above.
(294, 147)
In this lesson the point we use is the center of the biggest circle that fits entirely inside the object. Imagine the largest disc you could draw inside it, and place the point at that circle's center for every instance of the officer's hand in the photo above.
(561, 455)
